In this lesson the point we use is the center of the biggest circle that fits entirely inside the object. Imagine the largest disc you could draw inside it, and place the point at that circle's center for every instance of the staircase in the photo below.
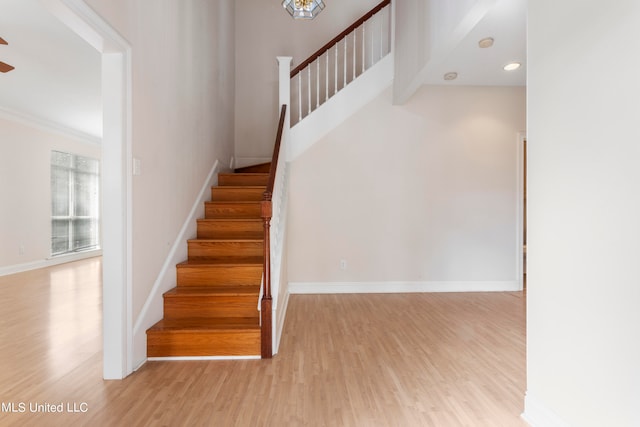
(213, 310)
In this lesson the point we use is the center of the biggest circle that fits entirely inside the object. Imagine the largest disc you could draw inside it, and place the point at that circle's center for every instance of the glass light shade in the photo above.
(303, 9)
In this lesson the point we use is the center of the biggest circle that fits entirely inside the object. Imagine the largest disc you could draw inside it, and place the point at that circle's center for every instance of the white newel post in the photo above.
(284, 64)
(284, 97)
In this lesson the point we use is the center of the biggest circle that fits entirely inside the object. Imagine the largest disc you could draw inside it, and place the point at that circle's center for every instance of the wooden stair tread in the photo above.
(233, 209)
(215, 259)
(235, 261)
(241, 179)
(205, 272)
(206, 324)
(233, 202)
(225, 249)
(230, 228)
(227, 240)
(259, 168)
(245, 173)
(242, 187)
(225, 220)
(237, 193)
(208, 291)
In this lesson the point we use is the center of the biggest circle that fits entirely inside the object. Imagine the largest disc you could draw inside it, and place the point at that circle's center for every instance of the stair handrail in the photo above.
(266, 350)
(340, 61)
(337, 39)
(268, 192)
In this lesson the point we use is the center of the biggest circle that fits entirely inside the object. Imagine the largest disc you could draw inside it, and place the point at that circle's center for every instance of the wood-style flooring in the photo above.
(345, 360)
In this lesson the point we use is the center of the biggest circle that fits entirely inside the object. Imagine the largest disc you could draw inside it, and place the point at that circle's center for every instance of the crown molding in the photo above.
(47, 126)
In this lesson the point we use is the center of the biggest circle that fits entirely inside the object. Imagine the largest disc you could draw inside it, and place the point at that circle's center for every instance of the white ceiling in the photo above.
(57, 74)
(503, 20)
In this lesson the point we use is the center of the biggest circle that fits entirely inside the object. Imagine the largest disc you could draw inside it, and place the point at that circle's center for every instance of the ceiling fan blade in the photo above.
(2, 41)
(5, 68)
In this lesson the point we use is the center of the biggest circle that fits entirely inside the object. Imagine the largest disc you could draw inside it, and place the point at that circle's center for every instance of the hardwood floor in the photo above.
(345, 360)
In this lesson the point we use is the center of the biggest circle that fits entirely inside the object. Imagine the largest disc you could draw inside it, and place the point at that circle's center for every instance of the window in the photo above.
(75, 208)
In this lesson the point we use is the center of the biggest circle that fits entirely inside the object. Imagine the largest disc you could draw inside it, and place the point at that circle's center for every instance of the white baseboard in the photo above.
(165, 359)
(538, 415)
(400, 287)
(49, 262)
(280, 321)
(152, 309)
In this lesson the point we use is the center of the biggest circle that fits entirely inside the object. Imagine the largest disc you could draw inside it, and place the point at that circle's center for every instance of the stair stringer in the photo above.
(279, 278)
(278, 228)
(340, 106)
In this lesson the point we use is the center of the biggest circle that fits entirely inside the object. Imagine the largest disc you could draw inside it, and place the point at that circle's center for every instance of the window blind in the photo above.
(75, 203)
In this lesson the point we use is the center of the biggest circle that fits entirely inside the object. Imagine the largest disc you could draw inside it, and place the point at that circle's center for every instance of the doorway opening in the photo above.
(116, 181)
(521, 216)
(524, 214)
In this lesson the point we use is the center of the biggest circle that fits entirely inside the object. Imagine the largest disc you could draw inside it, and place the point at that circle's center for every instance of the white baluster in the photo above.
(354, 55)
(309, 89)
(335, 90)
(373, 32)
(317, 82)
(299, 96)
(326, 76)
(364, 45)
(344, 65)
(381, 32)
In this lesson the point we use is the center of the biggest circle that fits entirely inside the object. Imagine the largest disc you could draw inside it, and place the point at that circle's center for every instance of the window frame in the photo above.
(72, 218)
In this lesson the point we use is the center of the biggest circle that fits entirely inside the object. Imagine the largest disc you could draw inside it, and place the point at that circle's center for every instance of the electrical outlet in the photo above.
(343, 264)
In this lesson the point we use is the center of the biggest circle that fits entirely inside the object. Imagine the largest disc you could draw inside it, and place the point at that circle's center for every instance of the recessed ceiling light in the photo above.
(486, 42)
(451, 76)
(512, 66)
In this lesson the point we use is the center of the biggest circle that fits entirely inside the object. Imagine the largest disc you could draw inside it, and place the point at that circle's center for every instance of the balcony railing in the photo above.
(339, 62)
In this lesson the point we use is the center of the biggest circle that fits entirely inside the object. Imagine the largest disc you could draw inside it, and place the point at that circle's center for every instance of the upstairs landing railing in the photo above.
(340, 61)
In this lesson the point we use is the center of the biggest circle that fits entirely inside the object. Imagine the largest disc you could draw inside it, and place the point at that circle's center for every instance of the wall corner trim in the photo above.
(279, 326)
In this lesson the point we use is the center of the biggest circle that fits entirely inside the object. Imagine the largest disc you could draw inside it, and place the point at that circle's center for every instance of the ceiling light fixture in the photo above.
(512, 66)
(486, 42)
(303, 9)
(451, 76)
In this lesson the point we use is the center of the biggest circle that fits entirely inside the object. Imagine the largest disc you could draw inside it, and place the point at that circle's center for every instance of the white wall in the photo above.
(428, 31)
(583, 318)
(183, 116)
(265, 30)
(412, 45)
(25, 191)
(423, 194)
